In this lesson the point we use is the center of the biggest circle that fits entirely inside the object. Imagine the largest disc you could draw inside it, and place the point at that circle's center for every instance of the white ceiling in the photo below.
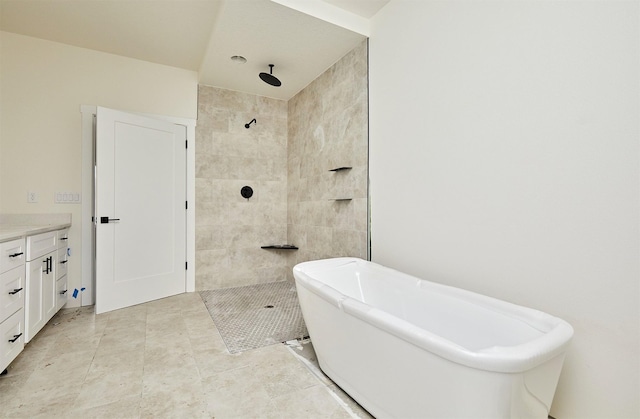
(200, 35)
(364, 8)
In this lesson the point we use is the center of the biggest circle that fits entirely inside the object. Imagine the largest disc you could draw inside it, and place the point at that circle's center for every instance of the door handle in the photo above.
(106, 220)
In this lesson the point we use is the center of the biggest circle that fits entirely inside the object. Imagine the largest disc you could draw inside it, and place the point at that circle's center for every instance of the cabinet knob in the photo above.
(15, 291)
(15, 337)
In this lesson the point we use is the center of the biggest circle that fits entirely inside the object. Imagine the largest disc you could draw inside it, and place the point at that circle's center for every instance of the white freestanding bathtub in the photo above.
(408, 348)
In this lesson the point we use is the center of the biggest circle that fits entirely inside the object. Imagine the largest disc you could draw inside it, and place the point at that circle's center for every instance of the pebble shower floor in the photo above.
(253, 316)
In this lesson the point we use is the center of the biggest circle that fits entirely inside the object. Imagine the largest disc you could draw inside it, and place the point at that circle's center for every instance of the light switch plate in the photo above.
(67, 198)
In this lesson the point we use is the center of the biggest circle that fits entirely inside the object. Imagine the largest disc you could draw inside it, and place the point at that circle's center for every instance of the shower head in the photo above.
(269, 78)
(250, 122)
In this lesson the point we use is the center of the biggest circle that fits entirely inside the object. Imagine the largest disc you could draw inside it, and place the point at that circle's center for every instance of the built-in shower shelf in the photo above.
(280, 247)
(340, 169)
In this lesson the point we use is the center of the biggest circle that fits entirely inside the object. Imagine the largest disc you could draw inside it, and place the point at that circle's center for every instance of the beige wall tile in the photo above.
(285, 156)
(328, 129)
(229, 228)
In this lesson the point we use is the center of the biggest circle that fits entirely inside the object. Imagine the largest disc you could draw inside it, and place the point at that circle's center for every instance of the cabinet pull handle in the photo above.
(15, 291)
(63, 292)
(15, 337)
(64, 238)
(62, 262)
(15, 255)
(49, 267)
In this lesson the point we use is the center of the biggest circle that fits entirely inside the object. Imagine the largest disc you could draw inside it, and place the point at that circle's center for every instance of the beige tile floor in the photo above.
(160, 359)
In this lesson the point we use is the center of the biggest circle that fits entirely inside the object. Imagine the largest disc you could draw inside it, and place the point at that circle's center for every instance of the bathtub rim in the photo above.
(504, 359)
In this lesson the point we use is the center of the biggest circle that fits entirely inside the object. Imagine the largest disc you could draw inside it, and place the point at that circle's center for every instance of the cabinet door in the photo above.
(41, 244)
(12, 254)
(61, 292)
(12, 289)
(34, 314)
(61, 266)
(49, 292)
(63, 238)
(41, 294)
(11, 338)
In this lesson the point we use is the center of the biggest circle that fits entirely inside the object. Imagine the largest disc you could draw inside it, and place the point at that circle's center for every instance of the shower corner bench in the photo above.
(280, 247)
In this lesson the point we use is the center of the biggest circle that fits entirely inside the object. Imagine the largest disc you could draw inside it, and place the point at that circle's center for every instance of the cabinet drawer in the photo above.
(41, 244)
(61, 267)
(61, 292)
(63, 239)
(11, 338)
(12, 290)
(12, 254)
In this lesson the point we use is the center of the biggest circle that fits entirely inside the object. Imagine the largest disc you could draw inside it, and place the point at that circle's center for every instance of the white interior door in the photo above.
(140, 209)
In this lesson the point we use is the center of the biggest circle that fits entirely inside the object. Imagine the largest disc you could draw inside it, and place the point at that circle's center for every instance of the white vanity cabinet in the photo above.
(12, 300)
(41, 298)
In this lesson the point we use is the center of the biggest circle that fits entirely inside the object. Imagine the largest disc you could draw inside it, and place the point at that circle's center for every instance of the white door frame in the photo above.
(88, 280)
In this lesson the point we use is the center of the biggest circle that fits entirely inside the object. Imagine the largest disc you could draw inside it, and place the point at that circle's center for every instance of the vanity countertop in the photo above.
(15, 226)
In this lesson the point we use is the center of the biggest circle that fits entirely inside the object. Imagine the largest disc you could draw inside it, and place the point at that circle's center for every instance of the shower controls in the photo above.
(246, 192)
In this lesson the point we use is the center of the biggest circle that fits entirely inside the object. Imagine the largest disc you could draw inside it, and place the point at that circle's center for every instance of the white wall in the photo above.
(42, 88)
(504, 158)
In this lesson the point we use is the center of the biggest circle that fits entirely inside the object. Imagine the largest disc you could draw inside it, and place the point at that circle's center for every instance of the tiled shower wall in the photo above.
(296, 143)
(328, 129)
(229, 228)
